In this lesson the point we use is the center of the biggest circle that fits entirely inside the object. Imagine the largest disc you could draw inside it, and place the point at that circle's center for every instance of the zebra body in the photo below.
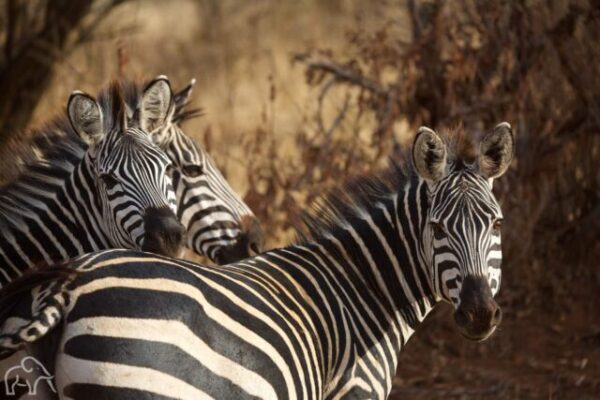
(323, 319)
(118, 193)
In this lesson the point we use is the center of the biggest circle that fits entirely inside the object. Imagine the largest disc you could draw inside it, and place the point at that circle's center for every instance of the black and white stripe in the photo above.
(218, 223)
(52, 212)
(323, 319)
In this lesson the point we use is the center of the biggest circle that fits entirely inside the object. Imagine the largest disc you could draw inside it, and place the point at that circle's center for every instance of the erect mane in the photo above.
(132, 93)
(461, 146)
(358, 194)
(361, 193)
(53, 150)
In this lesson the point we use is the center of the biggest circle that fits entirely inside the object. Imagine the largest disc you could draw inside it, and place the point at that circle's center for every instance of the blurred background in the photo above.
(300, 94)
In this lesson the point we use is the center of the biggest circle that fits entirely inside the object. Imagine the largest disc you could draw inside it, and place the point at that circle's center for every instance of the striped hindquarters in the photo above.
(143, 326)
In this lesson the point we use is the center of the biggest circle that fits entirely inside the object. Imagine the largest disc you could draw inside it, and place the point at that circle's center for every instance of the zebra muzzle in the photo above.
(478, 314)
(164, 234)
(249, 242)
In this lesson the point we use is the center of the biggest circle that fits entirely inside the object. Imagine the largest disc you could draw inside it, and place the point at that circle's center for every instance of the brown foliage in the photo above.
(472, 63)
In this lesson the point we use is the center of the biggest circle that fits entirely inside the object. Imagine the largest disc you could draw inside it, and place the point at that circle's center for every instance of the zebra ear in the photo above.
(496, 151)
(182, 97)
(85, 116)
(429, 155)
(156, 104)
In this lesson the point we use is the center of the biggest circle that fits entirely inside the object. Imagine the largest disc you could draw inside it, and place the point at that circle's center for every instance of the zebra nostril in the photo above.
(463, 318)
(164, 233)
(254, 247)
(497, 317)
(217, 257)
(253, 234)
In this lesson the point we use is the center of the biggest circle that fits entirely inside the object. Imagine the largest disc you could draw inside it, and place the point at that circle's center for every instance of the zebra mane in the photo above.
(132, 91)
(360, 194)
(55, 148)
(354, 197)
(462, 150)
(50, 149)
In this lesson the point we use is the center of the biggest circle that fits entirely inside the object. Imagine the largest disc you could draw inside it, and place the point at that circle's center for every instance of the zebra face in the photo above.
(219, 224)
(137, 192)
(462, 231)
(129, 172)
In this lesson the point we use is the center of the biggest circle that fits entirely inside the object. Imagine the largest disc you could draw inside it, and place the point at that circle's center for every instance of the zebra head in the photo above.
(219, 224)
(462, 228)
(129, 172)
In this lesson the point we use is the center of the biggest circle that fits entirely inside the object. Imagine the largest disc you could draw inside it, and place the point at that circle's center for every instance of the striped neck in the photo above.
(47, 218)
(87, 208)
(377, 290)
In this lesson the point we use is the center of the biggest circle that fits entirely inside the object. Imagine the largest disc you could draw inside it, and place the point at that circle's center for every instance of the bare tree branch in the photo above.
(341, 73)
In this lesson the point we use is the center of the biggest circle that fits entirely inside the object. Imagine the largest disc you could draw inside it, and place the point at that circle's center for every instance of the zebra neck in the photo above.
(47, 219)
(374, 262)
(84, 203)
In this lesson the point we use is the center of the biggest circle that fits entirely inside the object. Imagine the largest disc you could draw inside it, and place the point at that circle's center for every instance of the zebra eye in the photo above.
(109, 180)
(438, 229)
(192, 170)
(497, 226)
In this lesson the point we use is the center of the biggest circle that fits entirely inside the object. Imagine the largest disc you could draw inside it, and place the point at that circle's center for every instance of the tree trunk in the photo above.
(28, 70)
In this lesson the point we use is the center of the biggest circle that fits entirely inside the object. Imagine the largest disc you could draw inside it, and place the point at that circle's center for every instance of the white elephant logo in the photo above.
(28, 374)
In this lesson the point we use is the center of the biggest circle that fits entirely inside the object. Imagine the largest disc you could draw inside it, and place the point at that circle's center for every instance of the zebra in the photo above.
(324, 318)
(118, 193)
(219, 225)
